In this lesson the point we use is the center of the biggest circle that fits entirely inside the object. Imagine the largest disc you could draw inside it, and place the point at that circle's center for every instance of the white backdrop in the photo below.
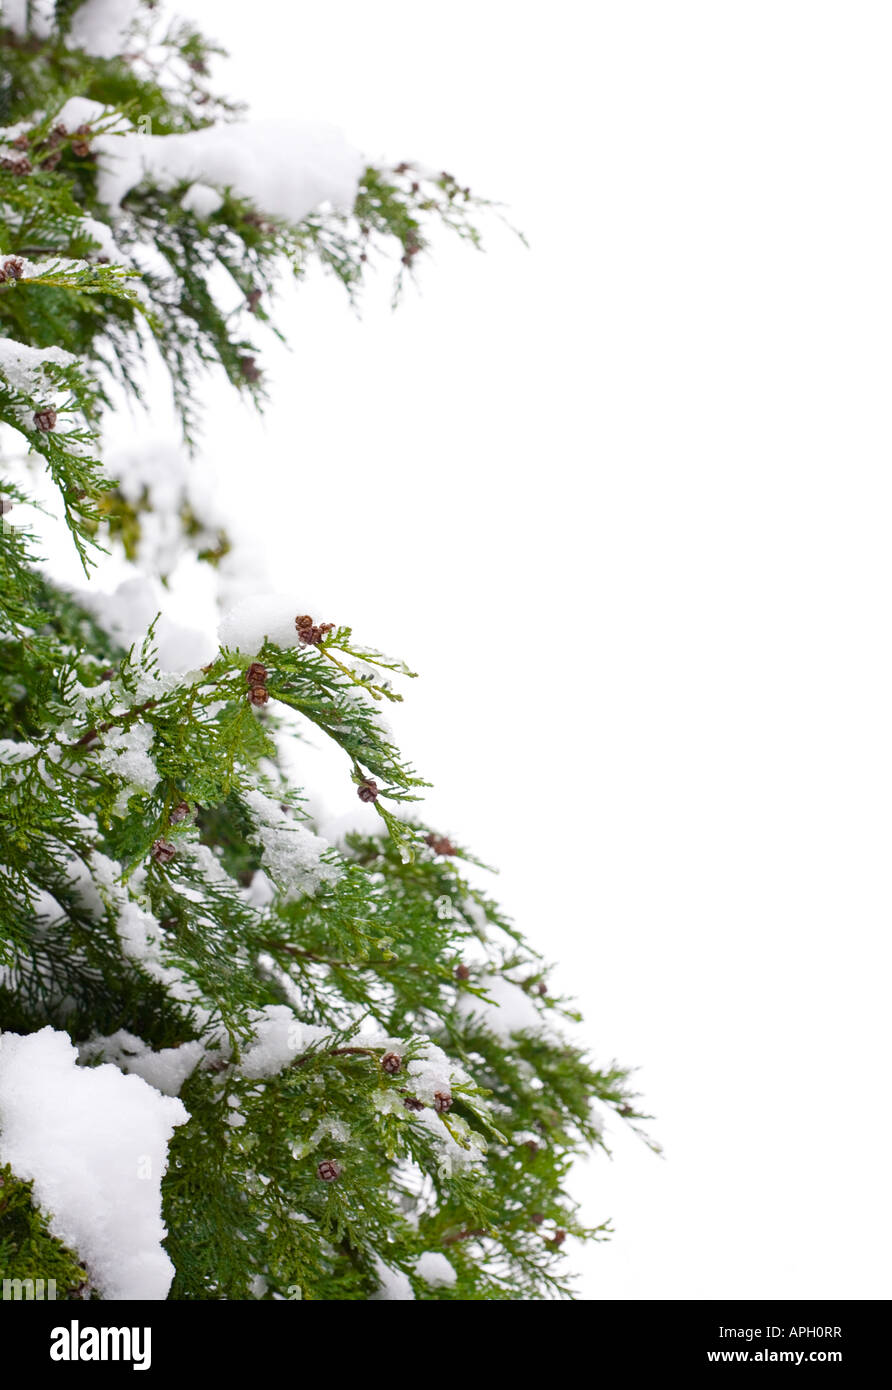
(624, 501)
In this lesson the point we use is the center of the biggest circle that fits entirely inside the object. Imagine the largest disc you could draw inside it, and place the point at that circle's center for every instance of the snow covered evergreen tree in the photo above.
(238, 1059)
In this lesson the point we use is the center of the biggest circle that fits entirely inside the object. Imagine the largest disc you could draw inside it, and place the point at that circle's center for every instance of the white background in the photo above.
(624, 501)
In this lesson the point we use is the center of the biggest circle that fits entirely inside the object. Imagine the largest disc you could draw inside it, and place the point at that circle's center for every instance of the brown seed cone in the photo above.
(309, 632)
(442, 1101)
(163, 851)
(440, 844)
(367, 790)
(391, 1063)
(413, 1103)
(462, 972)
(179, 813)
(258, 695)
(329, 1170)
(256, 673)
(45, 420)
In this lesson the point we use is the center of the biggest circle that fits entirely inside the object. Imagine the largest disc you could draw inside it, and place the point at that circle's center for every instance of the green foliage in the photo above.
(27, 1250)
(159, 874)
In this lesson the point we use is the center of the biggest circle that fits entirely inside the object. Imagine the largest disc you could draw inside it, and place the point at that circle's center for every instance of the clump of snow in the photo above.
(260, 891)
(35, 17)
(140, 933)
(201, 199)
(262, 618)
(12, 751)
(285, 167)
(85, 111)
(100, 27)
(25, 368)
(182, 648)
(81, 882)
(461, 1153)
(393, 1285)
(166, 1069)
(279, 1037)
(599, 1120)
(206, 862)
(101, 233)
(127, 614)
(94, 1143)
(156, 478)
(355, 821)
(46, 910)
(242, 571)
(432, 1071)
(429, 1073)
(435, 1270)
(292, 854)
(511, 1010)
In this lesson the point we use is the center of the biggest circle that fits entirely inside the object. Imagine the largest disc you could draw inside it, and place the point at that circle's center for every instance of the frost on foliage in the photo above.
(435, 1270)
(166, 1069)
(291, 854)
(393, 1285)
(139, 931)
(279, 1037)
(125, 753)
(141, 935)
(94, 1143)
(283, 166)
(24, 368)
(460, 1148)
(328, 1128)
